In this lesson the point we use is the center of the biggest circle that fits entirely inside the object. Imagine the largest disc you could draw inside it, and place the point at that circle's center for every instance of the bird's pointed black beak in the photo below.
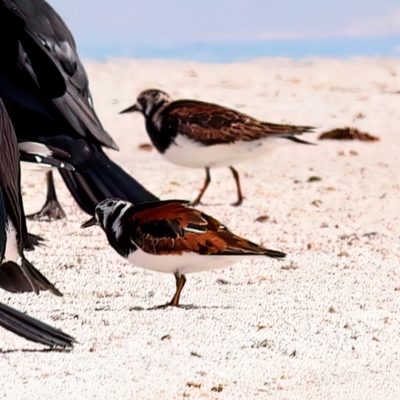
(130, 109)
(91, 222)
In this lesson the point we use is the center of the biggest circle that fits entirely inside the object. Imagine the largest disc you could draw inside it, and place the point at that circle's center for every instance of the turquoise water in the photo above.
(233, 51)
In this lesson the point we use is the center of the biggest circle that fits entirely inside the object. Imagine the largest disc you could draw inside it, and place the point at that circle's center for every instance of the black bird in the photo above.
(45, 90)
(204, 135)
(17, 274)
(168, 236)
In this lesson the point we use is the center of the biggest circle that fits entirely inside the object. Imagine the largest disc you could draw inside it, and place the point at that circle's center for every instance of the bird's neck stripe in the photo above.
(157, 118)
(117, 225)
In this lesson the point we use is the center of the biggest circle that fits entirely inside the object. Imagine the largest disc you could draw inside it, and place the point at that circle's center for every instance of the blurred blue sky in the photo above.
(229, 30)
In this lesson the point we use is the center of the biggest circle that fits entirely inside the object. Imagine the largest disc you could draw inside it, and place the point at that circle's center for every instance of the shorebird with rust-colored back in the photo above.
(169, 236)
(196, 134)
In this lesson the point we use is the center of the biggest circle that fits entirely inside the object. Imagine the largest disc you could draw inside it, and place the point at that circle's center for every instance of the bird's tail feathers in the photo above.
(102, 179)
(24, 278)
(289, 129)
(274, 253)
(297, 140)
(33, 329)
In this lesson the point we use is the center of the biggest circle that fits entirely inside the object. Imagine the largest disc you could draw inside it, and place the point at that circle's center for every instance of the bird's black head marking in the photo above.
(151, 100)
(107, 211)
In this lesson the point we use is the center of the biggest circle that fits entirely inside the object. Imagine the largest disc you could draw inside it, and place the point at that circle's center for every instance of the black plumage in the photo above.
(45, 90)
(33, 329)
(17, 274)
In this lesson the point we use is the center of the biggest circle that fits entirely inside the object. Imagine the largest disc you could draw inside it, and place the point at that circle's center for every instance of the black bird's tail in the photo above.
(95, 177)
(95, 184)
(24, 278)
(33, 329)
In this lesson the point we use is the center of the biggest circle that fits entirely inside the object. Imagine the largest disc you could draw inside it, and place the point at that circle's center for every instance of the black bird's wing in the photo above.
(67, 123)
(46, 33)
(33, 329)
(95, 177)
(13, 277)
(13, 30)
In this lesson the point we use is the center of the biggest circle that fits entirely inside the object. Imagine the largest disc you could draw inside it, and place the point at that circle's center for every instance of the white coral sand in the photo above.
(324, 323)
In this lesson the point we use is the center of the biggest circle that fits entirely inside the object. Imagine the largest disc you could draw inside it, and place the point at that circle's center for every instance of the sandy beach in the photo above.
(322, 324)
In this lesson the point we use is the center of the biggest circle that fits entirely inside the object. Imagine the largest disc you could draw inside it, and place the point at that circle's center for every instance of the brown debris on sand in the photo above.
(348, 133)
(145, 147)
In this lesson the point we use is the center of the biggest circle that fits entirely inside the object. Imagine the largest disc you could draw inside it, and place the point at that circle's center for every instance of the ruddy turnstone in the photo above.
(169, 236)
(203, 135)
(45, 90)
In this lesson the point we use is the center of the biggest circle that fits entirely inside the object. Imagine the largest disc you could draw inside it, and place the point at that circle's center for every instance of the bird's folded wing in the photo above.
(172, 227)
(210, 123)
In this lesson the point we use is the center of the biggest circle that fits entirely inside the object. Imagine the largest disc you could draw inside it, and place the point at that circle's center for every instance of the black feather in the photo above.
(65, 120)
(33, 329)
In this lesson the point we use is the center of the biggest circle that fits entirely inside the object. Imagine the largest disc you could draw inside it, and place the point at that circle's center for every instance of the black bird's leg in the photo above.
(203, 189)
(52, 208)
(239, 190)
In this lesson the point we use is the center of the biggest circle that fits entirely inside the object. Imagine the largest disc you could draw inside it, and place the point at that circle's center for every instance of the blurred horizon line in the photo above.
(231, 51)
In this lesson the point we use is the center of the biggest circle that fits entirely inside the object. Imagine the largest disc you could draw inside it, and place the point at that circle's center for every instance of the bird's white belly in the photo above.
(188, 153)
(184, 263)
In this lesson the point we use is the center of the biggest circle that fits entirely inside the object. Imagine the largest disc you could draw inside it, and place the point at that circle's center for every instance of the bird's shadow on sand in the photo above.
(182, 307)
(210, 205)
(48, 350)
